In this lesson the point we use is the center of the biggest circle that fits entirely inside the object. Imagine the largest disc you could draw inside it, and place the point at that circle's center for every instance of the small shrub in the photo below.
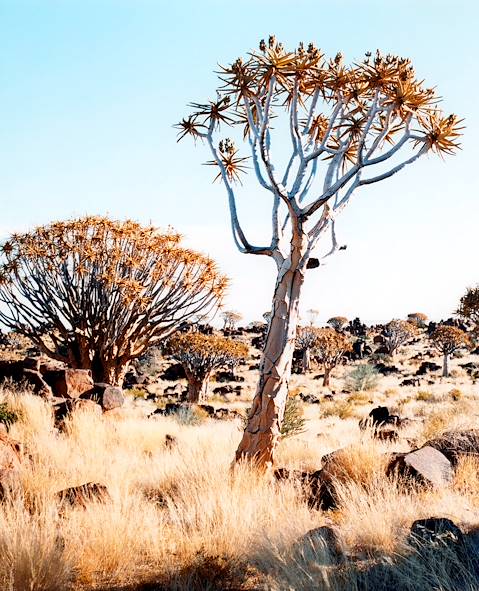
(390, 392)
(341, 409)
(293, 421)
(190, 415)
(362, 378)
(137, 393)
(456, 394)
(425, 396)
(7, 416)
(359, 398)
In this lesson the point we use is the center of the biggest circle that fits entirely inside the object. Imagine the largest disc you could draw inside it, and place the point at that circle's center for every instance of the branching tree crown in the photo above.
(201, 354)
(338, 322)
(231, 319)
(346, 121)
(447, 340)
(469, 305)
(329, 348)
(96, 293)
(397, 333)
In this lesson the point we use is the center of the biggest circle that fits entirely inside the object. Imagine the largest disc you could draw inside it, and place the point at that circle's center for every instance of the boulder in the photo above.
(411, 382)
(317, 487)
(173, 373)
(79, 496)
(426, 466)
(25, 372)
(69, 383)
(109, 397)
(322, 542)
(427, 366)
(457, 444)
(434, 530)
(63, 407)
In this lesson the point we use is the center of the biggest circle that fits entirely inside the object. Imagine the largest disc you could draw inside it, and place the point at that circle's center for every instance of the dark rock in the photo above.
(411, 382)
(63, 407)
(426, 466)
(312, 263)
(79, 496)
(208, 409)
(386, 370)
(317, 486)
(69, 383)
(457, 444)
(427, 366)
(435, 530)
(173, 373)
(228, 376)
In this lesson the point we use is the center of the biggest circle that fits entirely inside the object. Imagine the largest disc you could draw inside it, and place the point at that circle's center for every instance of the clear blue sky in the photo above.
(90, 90)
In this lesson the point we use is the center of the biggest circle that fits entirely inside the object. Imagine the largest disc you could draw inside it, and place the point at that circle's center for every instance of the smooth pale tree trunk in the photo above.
(109, 371)
(197, 387)
(327, 374)
(266, 415)
(306, 360)
(445, 366)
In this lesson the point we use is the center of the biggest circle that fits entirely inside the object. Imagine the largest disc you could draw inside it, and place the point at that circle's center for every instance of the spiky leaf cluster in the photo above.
(293, 79)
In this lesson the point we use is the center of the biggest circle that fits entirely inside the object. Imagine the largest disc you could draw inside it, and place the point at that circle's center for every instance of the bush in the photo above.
(7, 416)
(362, 378)
(190, 415)
(293, 420)
(341, 409)
(425, 396)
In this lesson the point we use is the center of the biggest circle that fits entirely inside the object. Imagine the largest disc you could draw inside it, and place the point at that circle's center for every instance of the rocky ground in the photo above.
(113, 495)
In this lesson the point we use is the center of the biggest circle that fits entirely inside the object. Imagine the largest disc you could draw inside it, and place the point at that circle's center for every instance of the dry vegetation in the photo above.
(180, 518)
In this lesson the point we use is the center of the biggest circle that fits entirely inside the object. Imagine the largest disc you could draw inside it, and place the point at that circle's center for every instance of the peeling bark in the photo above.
(264, 422)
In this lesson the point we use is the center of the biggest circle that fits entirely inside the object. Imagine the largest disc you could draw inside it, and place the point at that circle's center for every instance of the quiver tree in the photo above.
(329, 348)
(419, 319)
(230, 319)
(396, 333)
(447, 340)
(96, 293)
(305, 340)
(348, 127)
(200, 355)
(338, 322)
(469, 307)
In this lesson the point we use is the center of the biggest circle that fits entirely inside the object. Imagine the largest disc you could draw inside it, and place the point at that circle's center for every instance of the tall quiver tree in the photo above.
(96, 293)
(200, 355)
(349, 126)
(447, 340)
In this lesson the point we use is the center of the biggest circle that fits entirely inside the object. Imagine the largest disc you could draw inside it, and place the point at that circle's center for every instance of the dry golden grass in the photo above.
(181, 518)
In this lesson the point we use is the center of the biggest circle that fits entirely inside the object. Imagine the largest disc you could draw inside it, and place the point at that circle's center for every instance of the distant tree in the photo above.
(469, 306)
(447, 340)
(329, 348)
(312, 315)
(338, 322)
(97, 293)
(417, 318)
(200, 355)
(396, 333)
(306, 338)
(231, 319)
(349, 127)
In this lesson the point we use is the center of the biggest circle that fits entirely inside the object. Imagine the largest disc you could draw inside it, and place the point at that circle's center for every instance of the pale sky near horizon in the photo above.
(91, 88)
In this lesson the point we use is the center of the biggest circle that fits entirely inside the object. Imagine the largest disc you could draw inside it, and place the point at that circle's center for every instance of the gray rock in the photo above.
(426, 466)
